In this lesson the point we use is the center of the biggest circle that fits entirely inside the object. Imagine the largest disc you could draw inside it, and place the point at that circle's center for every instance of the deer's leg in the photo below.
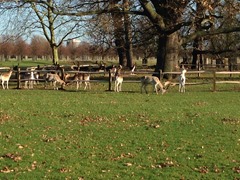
(3, 85)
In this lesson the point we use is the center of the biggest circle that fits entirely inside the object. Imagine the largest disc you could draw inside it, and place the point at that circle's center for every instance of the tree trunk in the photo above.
(119, 32)
(161, 53)
(168, 54)
(199, 10)
(51, 18)
(195, 54)
(128, 35)
(55, 55)
(121, 51)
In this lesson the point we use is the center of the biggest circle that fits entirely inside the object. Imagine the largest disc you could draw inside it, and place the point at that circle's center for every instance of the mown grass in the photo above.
(96, 134)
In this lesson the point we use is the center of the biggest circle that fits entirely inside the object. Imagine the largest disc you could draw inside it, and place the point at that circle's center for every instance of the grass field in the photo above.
(96, 134)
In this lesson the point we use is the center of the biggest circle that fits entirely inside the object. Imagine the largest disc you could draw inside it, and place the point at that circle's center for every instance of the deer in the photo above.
(79, 78)
(54, 78)
(182, 80)
(118, 78)
(146, 80)
(31, 76)
(4, 77)
(29, 83)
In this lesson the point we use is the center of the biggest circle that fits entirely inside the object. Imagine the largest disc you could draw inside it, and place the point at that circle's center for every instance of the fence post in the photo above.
(199, 68)
(18, 78)
(62, 76)
(214, 80)
(109, 80)
(160, 75)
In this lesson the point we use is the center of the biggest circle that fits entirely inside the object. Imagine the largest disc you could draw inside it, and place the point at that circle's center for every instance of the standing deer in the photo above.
(4, 77)
(31, 77)
(118, 79)
(79, 78)
(182, 80)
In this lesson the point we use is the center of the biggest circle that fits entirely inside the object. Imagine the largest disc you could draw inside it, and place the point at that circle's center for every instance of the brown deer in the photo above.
(146, 80)
(4, 77)
(79, 78)
(54, 78)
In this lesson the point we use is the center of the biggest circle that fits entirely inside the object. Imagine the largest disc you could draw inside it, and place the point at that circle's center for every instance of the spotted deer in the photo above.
(4, 77)
(55, 79)
(79, 78)
(146, 80)
(118, 78)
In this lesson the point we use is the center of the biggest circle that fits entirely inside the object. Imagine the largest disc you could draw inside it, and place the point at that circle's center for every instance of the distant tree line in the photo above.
(39, 48)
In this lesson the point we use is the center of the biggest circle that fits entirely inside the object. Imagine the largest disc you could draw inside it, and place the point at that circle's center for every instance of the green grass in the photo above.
(24, 63)
(96, 134)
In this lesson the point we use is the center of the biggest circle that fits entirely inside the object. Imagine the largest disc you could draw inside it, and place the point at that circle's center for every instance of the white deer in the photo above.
(182, 80)
(146, 80)
(4, 77)
(118, 79)
(31, 76)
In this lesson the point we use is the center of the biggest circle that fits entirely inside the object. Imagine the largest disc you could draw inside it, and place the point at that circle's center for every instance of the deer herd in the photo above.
(31, 77)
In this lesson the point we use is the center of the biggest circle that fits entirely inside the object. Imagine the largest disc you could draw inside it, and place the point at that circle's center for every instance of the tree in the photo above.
(117, 17)
(170, 16)
(7, 47)
(128, 33)
(39, 47)
(114, 27)
(175, 22)
(38, 16)
(98, 11)
(21, 48)
(197, 40)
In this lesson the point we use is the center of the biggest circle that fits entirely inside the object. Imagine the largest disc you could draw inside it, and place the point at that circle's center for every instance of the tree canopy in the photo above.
(168, 27)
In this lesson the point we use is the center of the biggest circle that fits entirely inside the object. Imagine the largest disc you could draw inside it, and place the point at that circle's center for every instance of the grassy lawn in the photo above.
(96, 134)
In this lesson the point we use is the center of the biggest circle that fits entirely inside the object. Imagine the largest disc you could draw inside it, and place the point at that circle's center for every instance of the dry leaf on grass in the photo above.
(128, 164)
(14, 157)
(236, 169)
(6, 170)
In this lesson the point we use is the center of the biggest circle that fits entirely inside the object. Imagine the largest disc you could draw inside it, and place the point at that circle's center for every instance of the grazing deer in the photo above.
(146, 80)
(182, 80)
(4, 77)
(118, 79)
(54, 78)
(79, 78)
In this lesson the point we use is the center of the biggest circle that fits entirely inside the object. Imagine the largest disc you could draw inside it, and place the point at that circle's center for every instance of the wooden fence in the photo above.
(213, 74)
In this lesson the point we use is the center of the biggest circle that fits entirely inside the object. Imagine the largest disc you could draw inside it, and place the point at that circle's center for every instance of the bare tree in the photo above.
(39, 47)
(128, 33)
(6, 47)
(170, 16)
(174, 21)
(37, 16)
(20, 49)
(109, 25)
